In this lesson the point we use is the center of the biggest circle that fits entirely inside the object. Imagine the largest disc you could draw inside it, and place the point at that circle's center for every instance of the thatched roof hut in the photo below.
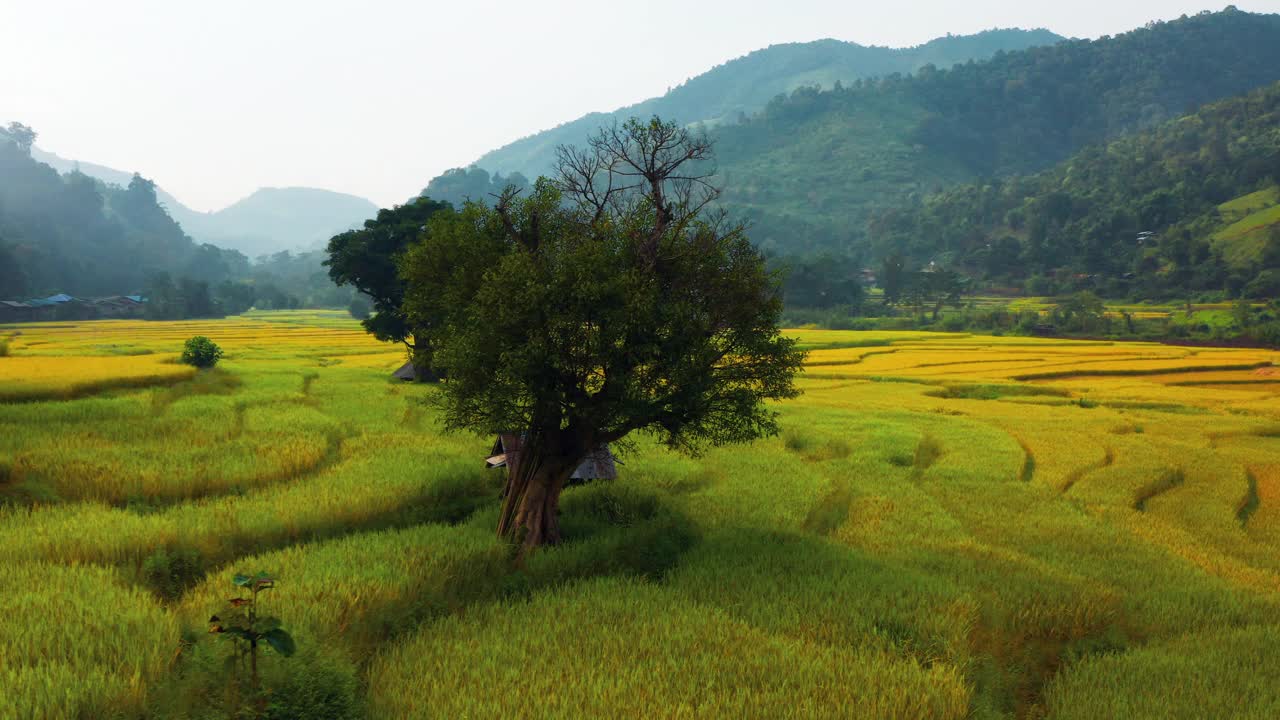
(598, 465)
(412, 373)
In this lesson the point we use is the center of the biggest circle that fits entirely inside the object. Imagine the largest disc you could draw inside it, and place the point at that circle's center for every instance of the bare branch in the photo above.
(638, 164)
(528, 237)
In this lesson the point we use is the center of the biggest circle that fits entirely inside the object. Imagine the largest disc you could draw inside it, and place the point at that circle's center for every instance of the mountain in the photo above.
(78, 235)
(1191, 205)
(268, 221)
(111, 176)
(745, 85)
(275, 219)
(810, 169)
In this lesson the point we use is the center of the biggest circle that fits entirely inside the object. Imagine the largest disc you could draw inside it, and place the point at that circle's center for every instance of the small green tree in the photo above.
(201, 352)
(366, 259)
(934, 288)
(1242, 313)
(891, 278)
(942, 287)
(1083, 311)
(22, 136)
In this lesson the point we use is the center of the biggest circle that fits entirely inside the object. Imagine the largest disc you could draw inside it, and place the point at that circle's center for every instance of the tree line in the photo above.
(74, 234)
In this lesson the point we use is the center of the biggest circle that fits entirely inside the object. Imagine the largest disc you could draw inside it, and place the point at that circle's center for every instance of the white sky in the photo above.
(215, 99)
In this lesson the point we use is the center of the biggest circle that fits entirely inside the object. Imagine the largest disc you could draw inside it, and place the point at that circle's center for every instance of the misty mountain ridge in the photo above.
(743, 86)
(267, 221)
(273, 219)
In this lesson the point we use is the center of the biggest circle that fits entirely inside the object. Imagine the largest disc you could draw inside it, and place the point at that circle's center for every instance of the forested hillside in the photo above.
(82, 236)
(809, 170)
(459, 185)
(268, 221)
(1190, 205)
(743, 86)
(78, 235)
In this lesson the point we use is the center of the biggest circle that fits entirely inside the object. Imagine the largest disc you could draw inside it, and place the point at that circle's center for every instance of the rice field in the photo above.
(949, 526)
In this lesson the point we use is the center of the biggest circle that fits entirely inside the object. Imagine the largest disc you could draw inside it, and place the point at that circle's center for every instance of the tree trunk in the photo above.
(531, 502)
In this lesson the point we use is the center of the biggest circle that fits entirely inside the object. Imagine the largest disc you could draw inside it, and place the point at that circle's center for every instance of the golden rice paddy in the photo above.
(948, 526)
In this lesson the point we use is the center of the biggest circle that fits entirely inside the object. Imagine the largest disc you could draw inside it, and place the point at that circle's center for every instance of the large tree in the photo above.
(608, 301)
(366, 259)
(21, 135)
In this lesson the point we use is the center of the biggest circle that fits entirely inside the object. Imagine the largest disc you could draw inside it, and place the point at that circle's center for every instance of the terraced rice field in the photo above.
(949, 526)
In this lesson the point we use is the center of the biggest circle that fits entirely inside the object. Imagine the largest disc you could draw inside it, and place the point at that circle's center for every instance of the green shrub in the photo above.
(321, 686)
(1267, 334)
(316, 683)
(201, 352)
(20, 491)
(4, 348)
(170, 572)
(1265, 285)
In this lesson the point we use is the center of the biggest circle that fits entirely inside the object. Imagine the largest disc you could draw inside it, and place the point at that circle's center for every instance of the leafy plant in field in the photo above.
(201, 352)
(248, 629)
(169, 572)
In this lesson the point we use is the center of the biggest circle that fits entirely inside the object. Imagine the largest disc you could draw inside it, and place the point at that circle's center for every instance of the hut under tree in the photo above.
(412, 373)
(597, 465)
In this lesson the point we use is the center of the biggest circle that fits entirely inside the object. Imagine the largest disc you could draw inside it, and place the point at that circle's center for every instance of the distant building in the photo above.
(116, 306)
(14, 311)
(67, 307)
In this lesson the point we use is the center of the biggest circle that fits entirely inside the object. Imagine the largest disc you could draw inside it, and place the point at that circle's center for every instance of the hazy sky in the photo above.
(215, 99)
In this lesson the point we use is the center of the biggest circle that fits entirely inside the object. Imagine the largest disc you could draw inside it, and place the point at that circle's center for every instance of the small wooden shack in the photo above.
(116, 306)
(412, 373)
(12, 311)
(598, 465)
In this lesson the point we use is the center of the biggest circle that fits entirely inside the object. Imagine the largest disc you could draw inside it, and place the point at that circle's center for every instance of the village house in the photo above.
(66, 307)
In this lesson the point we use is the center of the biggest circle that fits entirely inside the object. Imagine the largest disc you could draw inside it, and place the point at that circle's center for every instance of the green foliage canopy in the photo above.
(201, 352)
(366, 259)
(604, 303)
